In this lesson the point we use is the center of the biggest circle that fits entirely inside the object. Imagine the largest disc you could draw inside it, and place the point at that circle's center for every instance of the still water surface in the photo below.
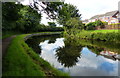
(77, 59)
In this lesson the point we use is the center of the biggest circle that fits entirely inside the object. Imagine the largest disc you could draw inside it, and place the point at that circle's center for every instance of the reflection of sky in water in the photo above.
(88, 65)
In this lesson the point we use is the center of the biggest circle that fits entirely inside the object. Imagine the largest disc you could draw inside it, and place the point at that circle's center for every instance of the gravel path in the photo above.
(5, 44)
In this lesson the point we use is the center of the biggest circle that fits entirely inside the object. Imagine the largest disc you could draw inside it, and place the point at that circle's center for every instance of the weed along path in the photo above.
(5, 44)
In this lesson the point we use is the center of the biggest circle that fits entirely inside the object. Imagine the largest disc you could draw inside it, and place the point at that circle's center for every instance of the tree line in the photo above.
(26, 18)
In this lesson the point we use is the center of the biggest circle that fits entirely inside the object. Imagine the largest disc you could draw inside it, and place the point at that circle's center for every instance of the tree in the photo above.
(73, 26)
(67, 12)
(99, 23)
(90, 26)
(10, 15)
(74, 23)
(30, 19)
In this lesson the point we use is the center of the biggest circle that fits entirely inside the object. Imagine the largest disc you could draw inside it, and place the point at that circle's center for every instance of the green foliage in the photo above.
(73, 23)
(99, 23)
(67, 12)
(50, 8)
(105, 23)
(101, 35)
(10, 15)
(26, 19)
(29, 21)
(52, 24)
(44, 28)
(73, 26)
(20, 18)
(90, 26)
(6, 34)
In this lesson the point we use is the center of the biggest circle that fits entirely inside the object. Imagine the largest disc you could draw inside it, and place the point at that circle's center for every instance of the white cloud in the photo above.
(89, 8)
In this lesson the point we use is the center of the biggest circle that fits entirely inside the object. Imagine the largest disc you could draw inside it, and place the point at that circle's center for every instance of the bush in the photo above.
(90, 26)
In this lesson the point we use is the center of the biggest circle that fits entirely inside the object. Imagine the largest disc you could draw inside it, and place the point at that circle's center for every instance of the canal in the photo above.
(78, 58)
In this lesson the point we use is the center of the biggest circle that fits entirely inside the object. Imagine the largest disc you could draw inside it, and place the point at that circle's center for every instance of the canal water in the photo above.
(78, 58)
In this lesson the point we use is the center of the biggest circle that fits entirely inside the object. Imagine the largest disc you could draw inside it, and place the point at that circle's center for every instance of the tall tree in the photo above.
(10, 14)
(67, 12)
(30, 19)
(73, 26)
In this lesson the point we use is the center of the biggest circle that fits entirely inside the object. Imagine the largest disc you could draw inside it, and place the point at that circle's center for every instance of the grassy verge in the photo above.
(105, 35)
(21, 60)
(6, 34)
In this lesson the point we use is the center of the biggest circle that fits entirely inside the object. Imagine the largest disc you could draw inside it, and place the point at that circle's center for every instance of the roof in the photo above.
(86, 20)
(106, 14)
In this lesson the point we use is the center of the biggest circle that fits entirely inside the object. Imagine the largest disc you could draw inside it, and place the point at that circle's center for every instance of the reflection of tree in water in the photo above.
(51, 41)
(35, 41)
(34, 44)
(97, 46)
(69, 54)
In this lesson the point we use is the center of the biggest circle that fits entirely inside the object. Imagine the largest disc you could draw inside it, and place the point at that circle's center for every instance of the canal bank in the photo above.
(21, 60)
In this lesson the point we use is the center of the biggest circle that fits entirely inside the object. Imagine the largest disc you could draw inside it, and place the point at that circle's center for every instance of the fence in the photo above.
(115, 26)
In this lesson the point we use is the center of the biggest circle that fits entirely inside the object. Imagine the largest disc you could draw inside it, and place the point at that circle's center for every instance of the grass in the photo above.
(105, 35)
(6, 34)
(102, 31)
(21, 60)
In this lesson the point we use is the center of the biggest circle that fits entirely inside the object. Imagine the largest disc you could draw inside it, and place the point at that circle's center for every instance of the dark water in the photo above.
(78, 58)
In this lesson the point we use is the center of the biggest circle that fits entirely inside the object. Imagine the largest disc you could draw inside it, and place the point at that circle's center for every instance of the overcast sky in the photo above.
(89, 8)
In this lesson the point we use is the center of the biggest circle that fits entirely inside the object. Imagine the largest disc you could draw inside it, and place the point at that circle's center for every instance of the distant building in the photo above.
(107, 17)
(85, 21)
(117, 13)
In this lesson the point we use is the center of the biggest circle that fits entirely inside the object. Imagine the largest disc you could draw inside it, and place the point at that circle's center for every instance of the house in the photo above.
(112, 17)
(117, 13)
(86, 21)
(107, 17)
